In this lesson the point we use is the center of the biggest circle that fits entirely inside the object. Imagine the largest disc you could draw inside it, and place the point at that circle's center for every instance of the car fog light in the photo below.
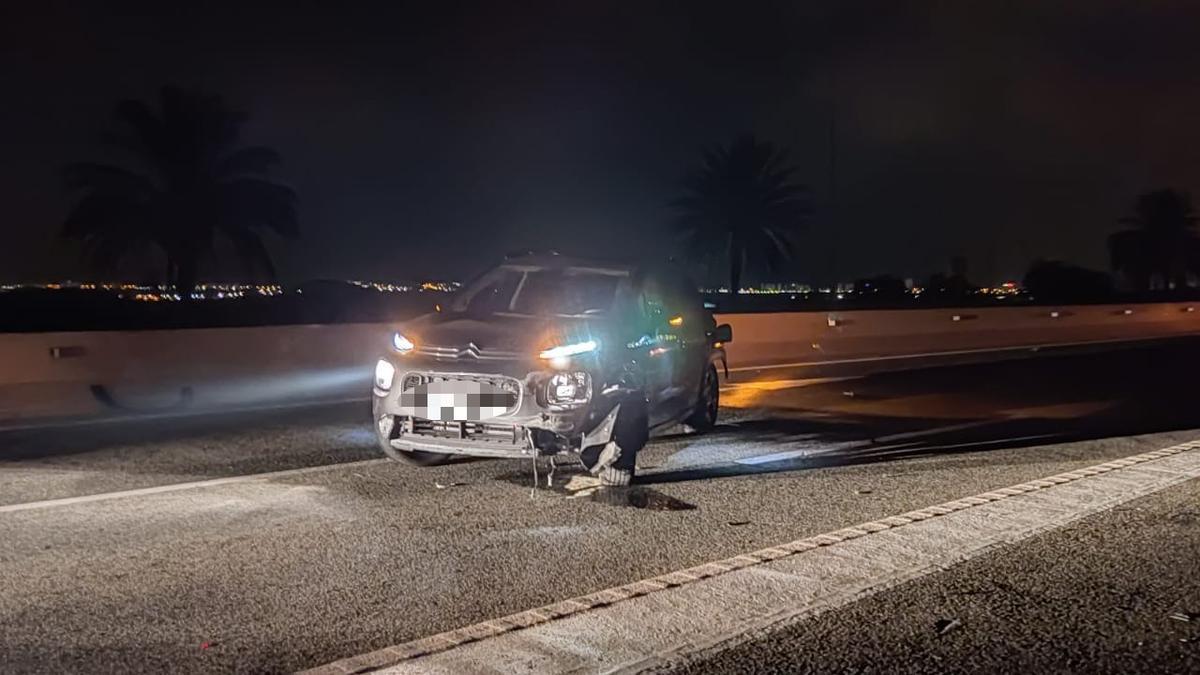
(569, 388)
(384, 372)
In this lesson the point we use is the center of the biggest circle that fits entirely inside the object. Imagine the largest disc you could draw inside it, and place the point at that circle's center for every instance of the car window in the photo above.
(653, 304)
(683, 300)
(534, 291)
(566, 292)
(492, 293)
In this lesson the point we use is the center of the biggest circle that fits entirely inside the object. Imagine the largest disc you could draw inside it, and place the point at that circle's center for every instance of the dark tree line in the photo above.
(185, 182)
(1160, 249)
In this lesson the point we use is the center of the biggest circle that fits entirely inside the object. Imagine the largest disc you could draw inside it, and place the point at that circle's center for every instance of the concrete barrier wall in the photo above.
(51, 374)
(808, 337)
(84, 373)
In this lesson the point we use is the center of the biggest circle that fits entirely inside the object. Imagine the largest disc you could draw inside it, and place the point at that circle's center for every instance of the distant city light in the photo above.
(215, 291)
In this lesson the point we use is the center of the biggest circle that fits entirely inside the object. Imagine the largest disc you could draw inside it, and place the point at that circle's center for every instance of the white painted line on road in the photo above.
(952, 352)
(177, 487)
(973, 424)
(887, 443)
(669, 618)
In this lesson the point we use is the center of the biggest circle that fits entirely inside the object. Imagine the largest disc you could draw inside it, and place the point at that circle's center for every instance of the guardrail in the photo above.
(90, 373)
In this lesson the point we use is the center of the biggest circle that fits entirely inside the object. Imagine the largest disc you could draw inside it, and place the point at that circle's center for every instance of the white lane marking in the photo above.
(884, 443)
(176, 487)
(776, 457)
(719, 603)
(936, 430)
(952, 352)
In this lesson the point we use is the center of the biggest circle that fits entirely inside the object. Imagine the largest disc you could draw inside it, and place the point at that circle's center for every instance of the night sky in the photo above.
(427, 138)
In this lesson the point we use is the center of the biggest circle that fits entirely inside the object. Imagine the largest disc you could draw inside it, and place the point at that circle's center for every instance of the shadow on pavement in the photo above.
(883, 417)
(960, 409)
(93, 435)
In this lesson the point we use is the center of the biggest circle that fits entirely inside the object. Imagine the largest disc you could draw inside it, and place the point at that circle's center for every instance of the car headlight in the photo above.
(569, 388)
(560, 356)
(384, 372)
(563, 351)
(402, 344)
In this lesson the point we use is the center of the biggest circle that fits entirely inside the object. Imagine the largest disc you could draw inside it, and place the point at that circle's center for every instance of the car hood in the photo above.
(518, 335)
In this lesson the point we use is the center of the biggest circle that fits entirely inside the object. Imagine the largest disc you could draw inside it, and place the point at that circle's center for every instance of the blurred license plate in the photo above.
(456, 401)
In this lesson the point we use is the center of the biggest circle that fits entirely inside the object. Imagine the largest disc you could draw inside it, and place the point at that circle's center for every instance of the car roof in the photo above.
(667, 270)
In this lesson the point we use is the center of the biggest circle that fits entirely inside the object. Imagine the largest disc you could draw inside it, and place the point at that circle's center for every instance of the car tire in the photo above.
(708, 402)
(418, 458)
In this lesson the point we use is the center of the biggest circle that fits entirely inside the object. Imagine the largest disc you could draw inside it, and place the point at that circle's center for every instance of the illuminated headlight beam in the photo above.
(563, 351)
(401, 343)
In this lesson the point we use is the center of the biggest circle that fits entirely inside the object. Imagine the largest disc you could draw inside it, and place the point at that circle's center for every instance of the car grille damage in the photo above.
(506, 435)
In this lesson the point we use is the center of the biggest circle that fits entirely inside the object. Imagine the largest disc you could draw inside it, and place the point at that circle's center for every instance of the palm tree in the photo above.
(741, 202)
(1162, 245)
(190, 181)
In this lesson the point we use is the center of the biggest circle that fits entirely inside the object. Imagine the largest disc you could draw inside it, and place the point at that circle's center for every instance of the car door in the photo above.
(672, 327)
(688, 324)
(647, 343)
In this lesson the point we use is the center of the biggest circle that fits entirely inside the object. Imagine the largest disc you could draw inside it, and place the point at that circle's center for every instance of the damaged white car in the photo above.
(545, 355)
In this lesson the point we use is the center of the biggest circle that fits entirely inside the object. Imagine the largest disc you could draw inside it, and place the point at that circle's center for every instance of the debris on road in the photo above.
(944, 626)
(738, 523)
(848, 393)
(1186, 617)
(581, 485)
(863, 491)
(443, 486)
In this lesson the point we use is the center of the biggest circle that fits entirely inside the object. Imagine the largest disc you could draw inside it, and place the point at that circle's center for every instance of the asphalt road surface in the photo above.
(162, 546)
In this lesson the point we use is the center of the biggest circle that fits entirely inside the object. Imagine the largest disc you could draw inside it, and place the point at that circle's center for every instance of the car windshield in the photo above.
(566, 292)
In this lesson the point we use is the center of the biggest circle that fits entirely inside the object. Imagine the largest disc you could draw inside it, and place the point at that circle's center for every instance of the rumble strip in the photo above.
(664, 619)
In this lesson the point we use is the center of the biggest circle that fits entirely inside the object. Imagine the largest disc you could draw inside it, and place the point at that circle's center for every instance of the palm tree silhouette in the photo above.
(1162, 245)
(741, 202)
(192, 183)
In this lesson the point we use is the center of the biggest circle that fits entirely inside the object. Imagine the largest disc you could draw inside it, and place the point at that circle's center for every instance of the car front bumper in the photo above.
(528, 429)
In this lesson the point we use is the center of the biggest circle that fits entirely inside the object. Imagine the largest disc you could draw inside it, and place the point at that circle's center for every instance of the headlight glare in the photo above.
(401, 343)
(563, 351)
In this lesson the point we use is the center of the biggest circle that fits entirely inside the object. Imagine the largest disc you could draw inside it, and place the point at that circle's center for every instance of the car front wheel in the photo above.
(708, 402)
(419, 458)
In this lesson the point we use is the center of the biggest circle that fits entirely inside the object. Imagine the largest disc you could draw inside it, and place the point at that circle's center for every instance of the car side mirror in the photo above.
(722, 333)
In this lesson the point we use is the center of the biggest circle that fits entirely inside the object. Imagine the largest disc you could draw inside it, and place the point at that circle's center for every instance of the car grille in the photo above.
(505, 435)
(510, 384)
(469, 352)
